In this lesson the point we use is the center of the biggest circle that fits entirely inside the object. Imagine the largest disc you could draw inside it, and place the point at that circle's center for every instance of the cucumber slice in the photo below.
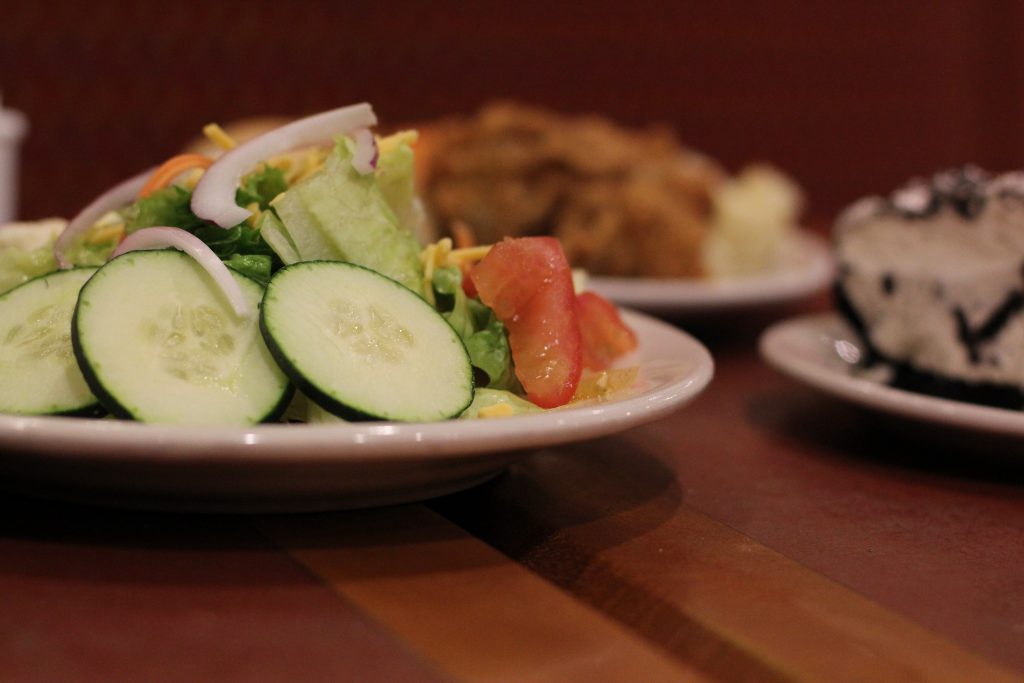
(362, 346)
(38, 372)
(158, 342)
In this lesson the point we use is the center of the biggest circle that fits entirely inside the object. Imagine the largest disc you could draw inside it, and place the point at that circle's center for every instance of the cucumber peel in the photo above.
(363, 346)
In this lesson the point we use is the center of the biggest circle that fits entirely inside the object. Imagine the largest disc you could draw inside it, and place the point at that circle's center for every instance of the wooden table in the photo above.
(763, 533)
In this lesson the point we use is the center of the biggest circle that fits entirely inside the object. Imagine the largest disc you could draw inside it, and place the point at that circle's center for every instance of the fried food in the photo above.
(622, 202)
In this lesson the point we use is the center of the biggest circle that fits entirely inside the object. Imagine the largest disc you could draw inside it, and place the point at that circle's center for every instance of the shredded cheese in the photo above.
(254, 209)
(391, 142)
(432, 257)
(218, 136)
(300, 165)
(441, 255)
(192, 179)
(458, 257)
(106, 233)
(497, 410)
(600, 386)
(109, 218)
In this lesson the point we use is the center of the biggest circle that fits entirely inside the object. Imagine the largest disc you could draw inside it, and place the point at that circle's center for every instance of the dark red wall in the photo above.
(849, 97)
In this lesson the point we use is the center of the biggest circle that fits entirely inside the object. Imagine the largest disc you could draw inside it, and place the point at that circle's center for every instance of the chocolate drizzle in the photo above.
(888, 284)
(965, 194)
(964, 190)
(907, 377)
(849, 312)
(983, 393)
(972, 339)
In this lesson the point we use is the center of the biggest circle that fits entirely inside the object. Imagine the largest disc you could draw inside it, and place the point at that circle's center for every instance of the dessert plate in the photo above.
(805, 268)
(291, 467)
(819, 350)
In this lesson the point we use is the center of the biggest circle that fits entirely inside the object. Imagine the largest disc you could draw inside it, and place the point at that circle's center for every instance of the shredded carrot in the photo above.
(171, 169)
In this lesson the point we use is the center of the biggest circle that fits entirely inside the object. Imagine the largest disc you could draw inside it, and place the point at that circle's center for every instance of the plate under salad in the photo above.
(211, 303)
(286, 467)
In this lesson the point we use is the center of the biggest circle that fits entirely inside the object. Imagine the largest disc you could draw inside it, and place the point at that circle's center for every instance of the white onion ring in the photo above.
(364, 159)
(214, 196)
(182, 240)
(116, 197)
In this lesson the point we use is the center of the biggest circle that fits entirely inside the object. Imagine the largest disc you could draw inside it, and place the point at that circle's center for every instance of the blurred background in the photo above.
(847, 97)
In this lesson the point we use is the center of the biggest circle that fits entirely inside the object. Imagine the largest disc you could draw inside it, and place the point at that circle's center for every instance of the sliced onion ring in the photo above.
(176, 238)
(116, 197)
(364, 159)
(214, 196)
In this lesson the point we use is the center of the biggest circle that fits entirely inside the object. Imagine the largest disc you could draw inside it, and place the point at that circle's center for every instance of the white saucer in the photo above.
(282, 467)
(806, 269)
(812, 350)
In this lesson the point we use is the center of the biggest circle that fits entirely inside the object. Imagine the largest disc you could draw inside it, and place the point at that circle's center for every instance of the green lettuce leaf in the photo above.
(487, 398)
(169, 206)
(395, 177)
(26, 251)
(338, 214)
(261, 186)
(256, 266)
(83, 253)
(21, 265)
(172, 206)
(489, 351)
(485, 336)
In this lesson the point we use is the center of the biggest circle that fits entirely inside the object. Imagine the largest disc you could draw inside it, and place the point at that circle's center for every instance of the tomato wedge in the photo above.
(527, 282)
(605, 336)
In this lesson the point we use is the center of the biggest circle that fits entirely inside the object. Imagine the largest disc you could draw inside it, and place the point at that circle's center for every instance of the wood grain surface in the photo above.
(475, 613)
(91, 595)
(765, 519)
(763, 533)
(722, 605)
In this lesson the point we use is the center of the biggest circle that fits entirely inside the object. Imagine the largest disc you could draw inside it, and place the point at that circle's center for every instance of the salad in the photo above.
(283, 280)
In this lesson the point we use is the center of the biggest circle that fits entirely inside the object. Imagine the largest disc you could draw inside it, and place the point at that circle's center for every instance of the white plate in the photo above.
(812, 348)
(806, 267)
(281, 467)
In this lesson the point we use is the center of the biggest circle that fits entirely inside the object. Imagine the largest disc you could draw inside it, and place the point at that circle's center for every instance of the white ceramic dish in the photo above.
(817, 349)
(315, 467)
(806, 268)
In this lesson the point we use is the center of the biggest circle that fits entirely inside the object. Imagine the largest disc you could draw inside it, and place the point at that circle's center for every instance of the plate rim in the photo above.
(358, 443)
(774, 347)
(683, 295)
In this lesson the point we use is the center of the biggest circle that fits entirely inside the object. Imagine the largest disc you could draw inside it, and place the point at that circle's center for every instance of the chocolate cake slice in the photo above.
(932, 280)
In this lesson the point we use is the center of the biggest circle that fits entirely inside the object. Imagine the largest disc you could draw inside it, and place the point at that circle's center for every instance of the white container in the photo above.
(13, 126)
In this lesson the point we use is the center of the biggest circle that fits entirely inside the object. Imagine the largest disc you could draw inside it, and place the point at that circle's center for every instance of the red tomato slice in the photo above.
(517, 268)
(605, 336)
(467, 282)
(528, 284)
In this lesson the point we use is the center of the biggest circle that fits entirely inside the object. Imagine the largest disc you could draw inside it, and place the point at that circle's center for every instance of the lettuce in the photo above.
(489, 398)
(21, 265)
(485, 336)
(340, 215)
(83, 253)
(256, 266)
(261, 186)
(26, 251)
(395, 178)
(170, 206)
